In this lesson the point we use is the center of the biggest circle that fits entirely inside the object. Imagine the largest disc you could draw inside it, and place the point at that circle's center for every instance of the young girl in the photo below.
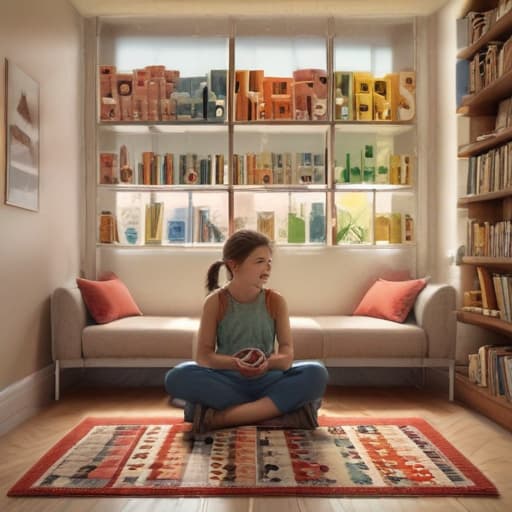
(243, 314)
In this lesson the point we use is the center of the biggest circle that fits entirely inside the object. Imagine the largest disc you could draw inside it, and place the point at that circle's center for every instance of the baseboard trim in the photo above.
(24, 398)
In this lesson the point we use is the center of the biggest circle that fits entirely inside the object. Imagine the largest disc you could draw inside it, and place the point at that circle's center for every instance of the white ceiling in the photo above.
(257, 7)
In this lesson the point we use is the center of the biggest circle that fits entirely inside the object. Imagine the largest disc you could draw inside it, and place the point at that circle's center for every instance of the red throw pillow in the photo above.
(391, 300)
(107, 300)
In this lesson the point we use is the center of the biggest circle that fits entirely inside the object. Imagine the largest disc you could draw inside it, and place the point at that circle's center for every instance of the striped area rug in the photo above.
(343, 457)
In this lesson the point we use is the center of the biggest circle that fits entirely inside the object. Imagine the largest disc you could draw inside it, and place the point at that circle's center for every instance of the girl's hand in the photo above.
(251, 371)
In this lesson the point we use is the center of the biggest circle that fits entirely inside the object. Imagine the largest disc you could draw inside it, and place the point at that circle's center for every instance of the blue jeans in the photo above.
(304, 382)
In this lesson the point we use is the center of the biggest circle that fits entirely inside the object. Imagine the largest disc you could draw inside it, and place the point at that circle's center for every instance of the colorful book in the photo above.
(486, 285)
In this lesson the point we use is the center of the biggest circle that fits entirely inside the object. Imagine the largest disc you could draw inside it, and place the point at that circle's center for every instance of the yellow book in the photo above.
(395, 228)
(393, 79)
(363, 93)
(487, 287)
(394, 169)
(364, 107)
(382, 228)
(153, 222)
(382, 99)
(363, 82)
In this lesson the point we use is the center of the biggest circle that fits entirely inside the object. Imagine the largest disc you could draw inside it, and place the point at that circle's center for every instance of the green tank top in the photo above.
(245, 325)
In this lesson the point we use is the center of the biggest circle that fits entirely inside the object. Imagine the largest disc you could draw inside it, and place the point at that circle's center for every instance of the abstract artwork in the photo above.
(22, 130)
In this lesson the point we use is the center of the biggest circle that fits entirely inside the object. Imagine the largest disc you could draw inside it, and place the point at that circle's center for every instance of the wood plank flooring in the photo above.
(486, 444)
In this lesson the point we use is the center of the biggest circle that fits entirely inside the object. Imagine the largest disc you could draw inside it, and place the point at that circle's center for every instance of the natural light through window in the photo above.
(375, 59)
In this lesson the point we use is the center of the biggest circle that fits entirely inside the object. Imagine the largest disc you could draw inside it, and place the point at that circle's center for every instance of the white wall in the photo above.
(41, 250)
(315, 280)
(442, 171)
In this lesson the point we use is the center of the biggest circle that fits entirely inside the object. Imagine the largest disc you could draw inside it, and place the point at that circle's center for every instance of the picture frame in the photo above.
(22, 138)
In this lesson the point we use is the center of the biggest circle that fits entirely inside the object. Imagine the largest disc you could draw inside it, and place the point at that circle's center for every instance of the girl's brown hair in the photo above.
(237, 248)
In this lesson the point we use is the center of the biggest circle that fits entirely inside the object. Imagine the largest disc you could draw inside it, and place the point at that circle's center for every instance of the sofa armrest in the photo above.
(68, 319)
(435, 313)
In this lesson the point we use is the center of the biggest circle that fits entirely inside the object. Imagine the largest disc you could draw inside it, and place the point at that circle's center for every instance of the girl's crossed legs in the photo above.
(238, 400)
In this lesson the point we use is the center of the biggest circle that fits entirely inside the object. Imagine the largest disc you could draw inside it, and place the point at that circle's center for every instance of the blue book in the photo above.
(178, 226)
(461, 81)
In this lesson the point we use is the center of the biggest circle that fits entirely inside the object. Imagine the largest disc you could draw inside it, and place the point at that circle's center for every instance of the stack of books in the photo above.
(155, 93)
(491, 368)
(359, 96)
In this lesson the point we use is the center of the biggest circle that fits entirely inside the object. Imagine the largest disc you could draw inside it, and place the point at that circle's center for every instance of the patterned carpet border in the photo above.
(29, 484)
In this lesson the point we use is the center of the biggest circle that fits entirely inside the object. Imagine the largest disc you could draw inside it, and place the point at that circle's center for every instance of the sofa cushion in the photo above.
(390, 300)
(141, 337)
(307, 338)
(366, 337)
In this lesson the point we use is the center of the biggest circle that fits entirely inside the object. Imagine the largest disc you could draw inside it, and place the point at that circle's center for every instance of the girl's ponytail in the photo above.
(212, 276)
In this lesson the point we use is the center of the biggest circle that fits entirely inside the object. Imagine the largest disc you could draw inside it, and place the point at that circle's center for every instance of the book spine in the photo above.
(147, 163)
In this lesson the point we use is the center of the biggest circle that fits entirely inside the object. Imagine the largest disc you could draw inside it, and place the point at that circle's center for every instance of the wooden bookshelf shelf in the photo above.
(465, 201)
(502, 28)
(482, 146)
(487, 322)
(498, 408)
(487, 260)
(486, 100)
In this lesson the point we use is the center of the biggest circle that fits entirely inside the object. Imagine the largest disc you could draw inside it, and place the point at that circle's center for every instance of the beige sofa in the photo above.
(322, 325)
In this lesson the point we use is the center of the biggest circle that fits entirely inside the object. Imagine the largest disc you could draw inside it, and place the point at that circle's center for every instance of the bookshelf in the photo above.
(488, 202)
(486, 322)
(481, 146)
(330, 157)
(497, 31)
(484, 101)
(495, 407)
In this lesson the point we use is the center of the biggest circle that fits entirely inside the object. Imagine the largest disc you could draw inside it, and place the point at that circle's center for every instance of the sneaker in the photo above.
(303, 418)
(188, 412)
(310, 413)
(202, 420)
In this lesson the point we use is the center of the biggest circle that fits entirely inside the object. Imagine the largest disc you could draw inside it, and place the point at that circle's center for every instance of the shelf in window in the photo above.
(383, 127)
(487, 260)
(157, 127)
(463, 202)
(486, 100)
(481, 146)
(281, 127)
(164, 188)
(163, 245)
(488, 322)
(369, 187)
(503, 27)
(379, 246)
(282, 188)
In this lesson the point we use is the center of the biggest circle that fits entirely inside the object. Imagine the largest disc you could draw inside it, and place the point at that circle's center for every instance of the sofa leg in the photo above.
(57, 380)
(451, 389)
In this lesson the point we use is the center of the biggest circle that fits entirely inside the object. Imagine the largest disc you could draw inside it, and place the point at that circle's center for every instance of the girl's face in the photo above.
(255, 269)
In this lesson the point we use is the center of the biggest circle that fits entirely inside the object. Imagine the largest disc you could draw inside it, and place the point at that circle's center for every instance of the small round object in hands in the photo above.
(252, 357)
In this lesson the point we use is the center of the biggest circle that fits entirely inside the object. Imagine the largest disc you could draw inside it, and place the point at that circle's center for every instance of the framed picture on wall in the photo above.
(22, 144)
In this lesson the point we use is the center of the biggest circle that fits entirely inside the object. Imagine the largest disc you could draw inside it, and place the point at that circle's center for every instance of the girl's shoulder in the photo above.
(273, 301)
(218, 302)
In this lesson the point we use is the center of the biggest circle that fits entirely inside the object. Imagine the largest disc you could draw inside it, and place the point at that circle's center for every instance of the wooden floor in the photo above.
(488, 446)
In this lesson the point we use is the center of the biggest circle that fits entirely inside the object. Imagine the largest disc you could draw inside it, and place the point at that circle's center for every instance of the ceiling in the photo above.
(378, 8)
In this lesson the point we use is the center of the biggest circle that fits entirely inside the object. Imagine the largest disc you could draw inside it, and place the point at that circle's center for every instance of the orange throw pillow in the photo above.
(390, 300)
(107, 300)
